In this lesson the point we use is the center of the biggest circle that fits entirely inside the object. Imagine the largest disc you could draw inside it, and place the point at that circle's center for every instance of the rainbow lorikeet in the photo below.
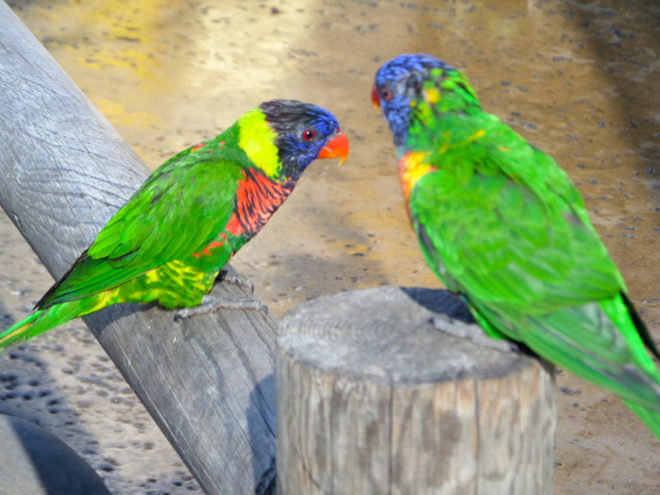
(171, 239)
(505, 228)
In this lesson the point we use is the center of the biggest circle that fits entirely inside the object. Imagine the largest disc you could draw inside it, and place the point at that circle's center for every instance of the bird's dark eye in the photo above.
(308, 134)
(386, 94)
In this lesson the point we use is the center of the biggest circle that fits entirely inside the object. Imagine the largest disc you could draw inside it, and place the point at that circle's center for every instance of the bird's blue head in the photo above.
(304, 132)
(399, 82)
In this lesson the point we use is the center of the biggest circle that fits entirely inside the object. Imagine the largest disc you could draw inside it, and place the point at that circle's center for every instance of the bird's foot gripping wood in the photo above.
(231, 276)
(211, 304)
(472, 333)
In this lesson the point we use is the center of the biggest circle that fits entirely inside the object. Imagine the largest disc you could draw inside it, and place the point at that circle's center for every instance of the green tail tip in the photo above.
(20, 331)
(650, 418)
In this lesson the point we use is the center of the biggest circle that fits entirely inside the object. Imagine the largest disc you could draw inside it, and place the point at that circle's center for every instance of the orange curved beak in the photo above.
(375, 97)
(337, 147)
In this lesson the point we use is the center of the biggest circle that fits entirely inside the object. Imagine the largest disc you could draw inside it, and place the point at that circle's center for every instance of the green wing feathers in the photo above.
(504, 226)
(152, 229)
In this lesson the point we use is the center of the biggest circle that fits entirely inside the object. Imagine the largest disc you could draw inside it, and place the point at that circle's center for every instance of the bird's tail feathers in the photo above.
(20, 331)
(39, 322)
(651, 418)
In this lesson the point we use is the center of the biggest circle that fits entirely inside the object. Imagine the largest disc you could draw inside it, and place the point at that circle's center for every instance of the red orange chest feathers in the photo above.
(257, 198)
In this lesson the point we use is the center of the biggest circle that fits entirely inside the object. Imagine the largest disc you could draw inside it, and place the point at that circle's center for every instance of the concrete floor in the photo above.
(578, 79)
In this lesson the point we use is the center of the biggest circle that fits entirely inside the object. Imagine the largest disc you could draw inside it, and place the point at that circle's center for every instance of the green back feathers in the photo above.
(497, 207)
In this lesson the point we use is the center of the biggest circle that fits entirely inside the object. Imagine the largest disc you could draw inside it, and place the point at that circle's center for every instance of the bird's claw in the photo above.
(473, 333)
(233, 277)
(211, 303)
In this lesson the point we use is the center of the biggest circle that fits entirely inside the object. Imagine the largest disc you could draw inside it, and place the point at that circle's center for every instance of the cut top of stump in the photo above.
(386, 334)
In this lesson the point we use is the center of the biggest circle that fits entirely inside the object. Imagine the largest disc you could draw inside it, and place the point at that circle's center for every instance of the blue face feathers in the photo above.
(302, 130)
(398, 82)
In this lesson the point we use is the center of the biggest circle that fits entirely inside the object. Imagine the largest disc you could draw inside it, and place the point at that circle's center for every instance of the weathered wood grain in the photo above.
(372, 398)
(208, 381)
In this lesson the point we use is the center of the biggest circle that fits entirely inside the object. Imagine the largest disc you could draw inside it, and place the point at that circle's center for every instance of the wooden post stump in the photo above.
(373, 398)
